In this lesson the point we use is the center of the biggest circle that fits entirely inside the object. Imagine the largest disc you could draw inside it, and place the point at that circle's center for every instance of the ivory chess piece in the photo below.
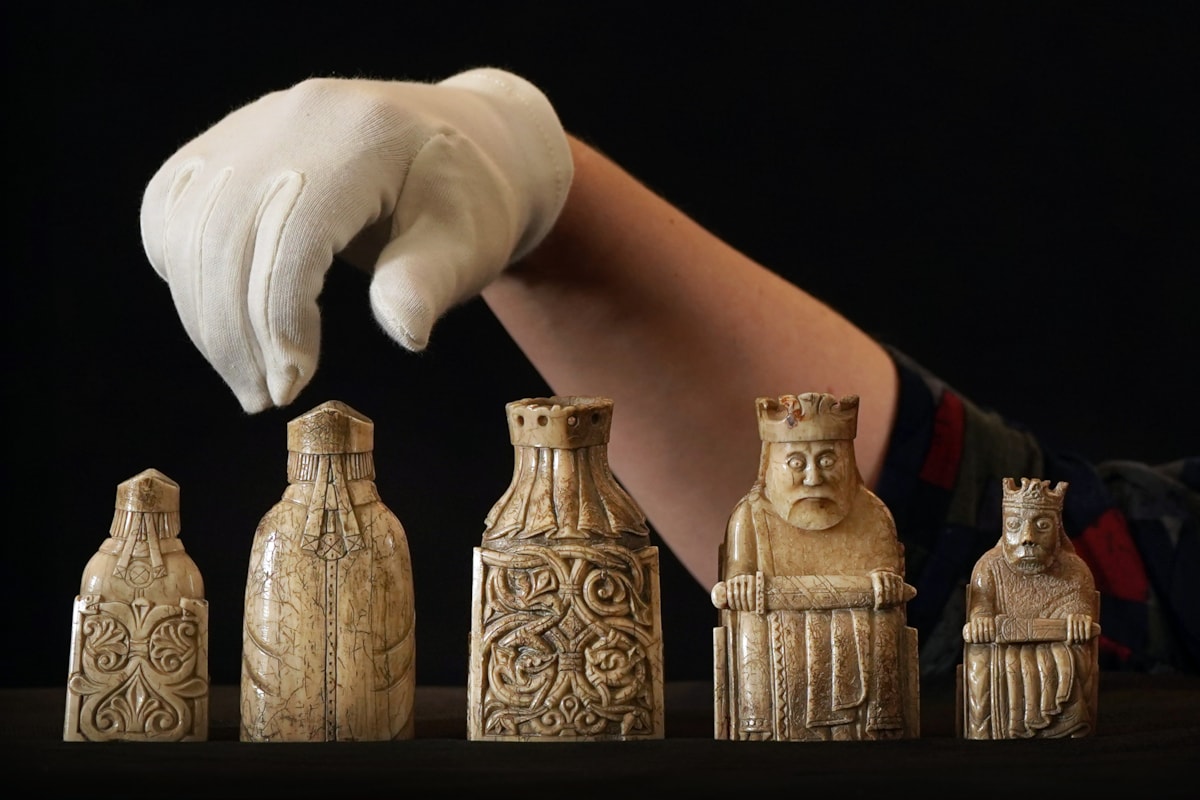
(328, 646)
(566, 641)
(813, 642)
(1030, 655)
(139, 634)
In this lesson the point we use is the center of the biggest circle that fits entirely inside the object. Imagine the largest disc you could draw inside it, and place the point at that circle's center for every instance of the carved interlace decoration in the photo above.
(566, 641)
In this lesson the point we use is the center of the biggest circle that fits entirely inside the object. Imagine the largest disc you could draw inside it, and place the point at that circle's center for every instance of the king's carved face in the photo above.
(1030, 540)
(811, 484)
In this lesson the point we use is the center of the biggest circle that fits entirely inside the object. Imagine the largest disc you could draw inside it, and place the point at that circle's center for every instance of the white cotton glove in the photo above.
(454, 180)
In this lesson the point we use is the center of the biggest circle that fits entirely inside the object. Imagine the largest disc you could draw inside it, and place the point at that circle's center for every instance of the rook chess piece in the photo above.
(1030, 664)
(813, 642)
(139, 636)
(566, 639)
(328, 643)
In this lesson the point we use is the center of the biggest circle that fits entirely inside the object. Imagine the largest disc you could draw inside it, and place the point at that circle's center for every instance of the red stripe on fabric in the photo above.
(945, 450)
(1122, 652)
(1109, 551)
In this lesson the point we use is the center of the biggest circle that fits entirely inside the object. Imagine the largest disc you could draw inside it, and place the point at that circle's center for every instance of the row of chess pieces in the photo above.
(566, 638)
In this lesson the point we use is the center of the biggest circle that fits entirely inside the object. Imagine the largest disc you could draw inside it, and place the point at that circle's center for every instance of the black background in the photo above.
(1006, 194)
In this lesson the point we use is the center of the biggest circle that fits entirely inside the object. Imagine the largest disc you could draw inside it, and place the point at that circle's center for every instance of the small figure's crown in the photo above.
(808, 417)
(565, 423)
(331, 427)
(148, 491)
(1034, 493)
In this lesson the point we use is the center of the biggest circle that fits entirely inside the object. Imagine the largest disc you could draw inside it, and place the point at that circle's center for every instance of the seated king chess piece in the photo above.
(566, 630)
(328, 641)
(139, 636)
(813, 643)
(1030, 664)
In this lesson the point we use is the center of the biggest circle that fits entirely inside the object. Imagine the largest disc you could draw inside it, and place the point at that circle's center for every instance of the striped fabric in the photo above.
(1137, 526)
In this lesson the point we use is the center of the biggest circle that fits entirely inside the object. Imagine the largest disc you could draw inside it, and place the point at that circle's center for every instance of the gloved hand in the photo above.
(447, 184)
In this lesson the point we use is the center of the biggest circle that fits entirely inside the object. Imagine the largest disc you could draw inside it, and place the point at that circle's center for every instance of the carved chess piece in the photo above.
(813, 642)
(566, 640)
(328, 645)
(139, 635)
(1030, 654)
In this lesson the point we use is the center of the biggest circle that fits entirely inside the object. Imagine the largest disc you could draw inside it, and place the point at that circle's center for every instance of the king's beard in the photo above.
(1029, 560)
(813, 513)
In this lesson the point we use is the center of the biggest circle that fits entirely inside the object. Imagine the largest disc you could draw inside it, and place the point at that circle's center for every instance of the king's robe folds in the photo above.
(813, 642)
(1030, 644)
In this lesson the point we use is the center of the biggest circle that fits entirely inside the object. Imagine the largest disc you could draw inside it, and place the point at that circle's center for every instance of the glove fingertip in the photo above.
(285, 384)
(257, 392)
(253, 401)
(255, 406)
(402, 315)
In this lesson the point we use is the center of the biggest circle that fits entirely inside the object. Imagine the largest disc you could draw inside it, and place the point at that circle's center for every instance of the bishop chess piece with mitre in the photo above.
(139, 634)
(1030, 664)
(328, 643)
(566, 639)
(813, 643)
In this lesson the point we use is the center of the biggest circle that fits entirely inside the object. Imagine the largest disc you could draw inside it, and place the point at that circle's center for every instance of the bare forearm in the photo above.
(630, 299)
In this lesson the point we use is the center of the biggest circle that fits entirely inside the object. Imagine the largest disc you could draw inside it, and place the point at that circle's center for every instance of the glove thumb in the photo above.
(455, 228)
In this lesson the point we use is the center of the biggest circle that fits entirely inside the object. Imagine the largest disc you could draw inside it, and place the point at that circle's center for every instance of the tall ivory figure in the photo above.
(328, 642)
(1030, 644)
(139, 635)
(566, 639)
(813, 642)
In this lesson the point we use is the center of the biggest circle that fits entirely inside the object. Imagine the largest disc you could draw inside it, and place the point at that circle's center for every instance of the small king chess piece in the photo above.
(1030, 664)
(813, 642)
(328, 645)
(139, 636)
(566, 631)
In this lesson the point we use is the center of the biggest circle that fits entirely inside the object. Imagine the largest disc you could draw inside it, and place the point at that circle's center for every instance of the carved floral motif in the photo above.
(139, 673)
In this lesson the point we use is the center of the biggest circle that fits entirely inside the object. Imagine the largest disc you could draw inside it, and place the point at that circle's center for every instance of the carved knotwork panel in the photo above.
(566, 643)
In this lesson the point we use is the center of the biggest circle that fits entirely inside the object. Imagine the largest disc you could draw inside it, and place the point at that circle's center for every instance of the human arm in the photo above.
(629, 298)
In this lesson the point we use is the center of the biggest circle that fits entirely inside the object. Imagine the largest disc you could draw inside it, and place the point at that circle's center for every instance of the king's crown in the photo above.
(808, 417)
(1034, 493)
(559, 422)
